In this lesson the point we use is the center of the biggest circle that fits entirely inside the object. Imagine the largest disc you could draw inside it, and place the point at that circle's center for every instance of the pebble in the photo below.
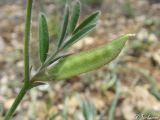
(143, 34)
(2, 44)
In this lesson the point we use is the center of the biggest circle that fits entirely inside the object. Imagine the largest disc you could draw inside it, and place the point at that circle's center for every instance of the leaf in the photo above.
(74, 16)
(111, 114)
(111, 79)
(43, 38)
(92, 19)
(77, 36)
(64, 26)
(88, 110)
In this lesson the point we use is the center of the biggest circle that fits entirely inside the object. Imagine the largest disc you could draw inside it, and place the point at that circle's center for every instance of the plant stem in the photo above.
(16, 102)
(26, 85)
(26, 42)
(48, 60)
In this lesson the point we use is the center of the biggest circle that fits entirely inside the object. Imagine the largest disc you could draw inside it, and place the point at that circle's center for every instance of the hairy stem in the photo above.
(26, 86)
(16, 102)
(26, 41)
(48, 60)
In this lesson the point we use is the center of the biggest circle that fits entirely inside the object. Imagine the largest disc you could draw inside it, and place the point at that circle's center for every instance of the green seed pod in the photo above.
(83, 62)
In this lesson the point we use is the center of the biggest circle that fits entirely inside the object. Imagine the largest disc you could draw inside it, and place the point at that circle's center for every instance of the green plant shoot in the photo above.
(57, 66)
(83, 62)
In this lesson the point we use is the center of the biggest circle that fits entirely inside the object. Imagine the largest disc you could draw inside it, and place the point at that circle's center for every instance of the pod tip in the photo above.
(131, 35)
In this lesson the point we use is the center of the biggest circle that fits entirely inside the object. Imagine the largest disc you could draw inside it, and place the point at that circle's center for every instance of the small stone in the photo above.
(20, 64)
(143, 34)
(99, 103)
(84, 41)
(8, 103)
(43, 87)
(2, 44)
(156, 57)
(88, 40)
(152, 38)
(72, 104)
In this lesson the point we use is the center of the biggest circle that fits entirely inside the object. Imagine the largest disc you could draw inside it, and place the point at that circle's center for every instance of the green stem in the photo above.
(26, 41)
(48, 60)
(16, 102)
(26, 86)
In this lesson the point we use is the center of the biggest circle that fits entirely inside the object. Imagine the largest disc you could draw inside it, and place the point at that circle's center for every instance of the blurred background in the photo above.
(126, 89)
